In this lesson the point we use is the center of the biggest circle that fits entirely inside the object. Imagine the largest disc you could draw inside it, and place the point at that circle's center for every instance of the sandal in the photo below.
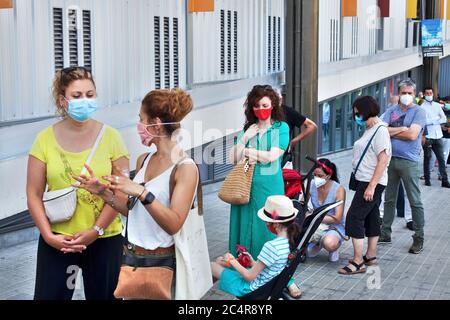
(370, 261)
(360, 268)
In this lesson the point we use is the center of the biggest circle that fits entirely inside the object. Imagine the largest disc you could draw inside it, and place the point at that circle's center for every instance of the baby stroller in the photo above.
(274, 289)
(296, 186)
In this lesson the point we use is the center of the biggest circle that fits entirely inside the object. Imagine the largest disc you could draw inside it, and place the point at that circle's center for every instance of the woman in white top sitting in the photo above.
(157, 216)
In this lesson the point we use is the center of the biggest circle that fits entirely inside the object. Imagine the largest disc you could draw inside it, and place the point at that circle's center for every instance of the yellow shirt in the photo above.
(61, 165)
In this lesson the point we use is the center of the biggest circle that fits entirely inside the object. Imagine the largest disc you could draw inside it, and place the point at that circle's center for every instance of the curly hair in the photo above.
(256, 94)
(168, 105)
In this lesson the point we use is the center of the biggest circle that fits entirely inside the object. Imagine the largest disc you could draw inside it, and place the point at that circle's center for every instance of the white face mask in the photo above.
(429, 98)
(406, 99)
(319, 182)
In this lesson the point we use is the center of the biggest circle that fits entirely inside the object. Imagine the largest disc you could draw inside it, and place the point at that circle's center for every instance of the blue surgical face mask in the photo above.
(81, 110)
(359, 120)
(429, 98)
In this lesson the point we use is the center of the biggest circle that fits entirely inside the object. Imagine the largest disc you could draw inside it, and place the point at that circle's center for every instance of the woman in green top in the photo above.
(264, 139)
(91, 240)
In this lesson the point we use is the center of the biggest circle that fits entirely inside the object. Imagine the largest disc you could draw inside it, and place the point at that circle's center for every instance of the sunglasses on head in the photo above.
(264, 87)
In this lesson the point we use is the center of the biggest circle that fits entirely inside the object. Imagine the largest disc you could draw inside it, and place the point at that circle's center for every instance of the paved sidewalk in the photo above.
(400, 275)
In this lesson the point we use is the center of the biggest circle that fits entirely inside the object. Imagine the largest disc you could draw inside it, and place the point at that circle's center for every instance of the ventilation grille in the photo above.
(73, 38)
(235, 42)
(58, 38)
(273, 43)
(269, 45)
(279, 44)
(87, 39)
(229, 41)
(222, 41)
(176, 62)
(157, 53)
(166, 53)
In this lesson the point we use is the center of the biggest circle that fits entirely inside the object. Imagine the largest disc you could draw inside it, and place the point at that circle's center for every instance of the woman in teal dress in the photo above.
(263, 140)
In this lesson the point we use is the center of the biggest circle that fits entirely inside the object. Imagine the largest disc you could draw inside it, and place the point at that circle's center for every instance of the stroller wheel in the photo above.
(303, 256)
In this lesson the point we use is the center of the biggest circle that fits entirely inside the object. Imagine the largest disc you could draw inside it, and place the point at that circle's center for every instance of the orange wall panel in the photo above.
(349, 8)
(201, 6)
(6, 4)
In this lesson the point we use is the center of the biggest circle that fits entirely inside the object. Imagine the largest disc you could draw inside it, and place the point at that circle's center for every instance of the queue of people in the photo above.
(81, 153)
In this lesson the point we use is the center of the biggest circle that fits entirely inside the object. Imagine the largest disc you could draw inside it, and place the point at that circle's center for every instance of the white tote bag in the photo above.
(60, 204)
(193, 272)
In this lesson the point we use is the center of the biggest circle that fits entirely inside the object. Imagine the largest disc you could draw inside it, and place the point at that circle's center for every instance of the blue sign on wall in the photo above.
(432, 38)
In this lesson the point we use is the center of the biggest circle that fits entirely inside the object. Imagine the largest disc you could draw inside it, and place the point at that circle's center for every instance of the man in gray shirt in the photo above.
(406, 124)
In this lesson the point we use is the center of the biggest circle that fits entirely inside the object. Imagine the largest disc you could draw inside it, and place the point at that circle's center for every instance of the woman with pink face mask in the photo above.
(156, 211)
(263, 140)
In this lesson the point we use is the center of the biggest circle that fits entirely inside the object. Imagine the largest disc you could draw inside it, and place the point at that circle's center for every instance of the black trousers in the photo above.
(363, 217)
(100, 264)
(437, 146)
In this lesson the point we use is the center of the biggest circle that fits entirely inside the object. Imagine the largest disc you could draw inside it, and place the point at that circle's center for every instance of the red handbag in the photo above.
(292, 182)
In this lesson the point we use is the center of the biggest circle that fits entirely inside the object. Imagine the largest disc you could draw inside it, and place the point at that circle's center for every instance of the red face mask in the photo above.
(263, 114)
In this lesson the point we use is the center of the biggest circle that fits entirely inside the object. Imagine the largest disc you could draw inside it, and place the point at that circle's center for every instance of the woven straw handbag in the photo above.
(237, 185)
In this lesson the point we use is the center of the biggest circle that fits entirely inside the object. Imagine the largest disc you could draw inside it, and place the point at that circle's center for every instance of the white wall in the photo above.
(329, 30)
(252, 40)
(360, 74)
(122, 42)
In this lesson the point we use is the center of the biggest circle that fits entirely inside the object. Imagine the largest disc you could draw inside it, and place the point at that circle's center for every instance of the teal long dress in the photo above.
(246, 228)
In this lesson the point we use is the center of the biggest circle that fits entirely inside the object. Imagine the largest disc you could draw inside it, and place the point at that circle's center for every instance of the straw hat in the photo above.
(278, 209)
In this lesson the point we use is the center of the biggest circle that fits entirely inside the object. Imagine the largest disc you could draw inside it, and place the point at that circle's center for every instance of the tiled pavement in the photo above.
(400, 275)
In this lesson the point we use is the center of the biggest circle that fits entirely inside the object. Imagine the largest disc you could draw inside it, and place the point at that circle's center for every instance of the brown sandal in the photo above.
(360, 268)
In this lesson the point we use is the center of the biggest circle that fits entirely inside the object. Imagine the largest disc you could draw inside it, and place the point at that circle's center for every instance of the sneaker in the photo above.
(410, 225)
(445, 184)
(313, 250)
(333, 256)
(417, 246)
(384, 239)
(428, 183)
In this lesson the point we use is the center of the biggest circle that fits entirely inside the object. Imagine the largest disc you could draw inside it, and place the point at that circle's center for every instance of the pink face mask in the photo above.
(147, 137)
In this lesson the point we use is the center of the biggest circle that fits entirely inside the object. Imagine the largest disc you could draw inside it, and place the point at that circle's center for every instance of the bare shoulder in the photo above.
(187, 171)
(340, 191)
(140, 160)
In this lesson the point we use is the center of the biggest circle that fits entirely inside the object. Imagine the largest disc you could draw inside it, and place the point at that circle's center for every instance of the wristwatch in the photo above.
(149, 198)
(99, 230)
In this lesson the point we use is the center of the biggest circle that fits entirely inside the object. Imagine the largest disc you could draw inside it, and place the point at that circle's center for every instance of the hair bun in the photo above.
(180, 104)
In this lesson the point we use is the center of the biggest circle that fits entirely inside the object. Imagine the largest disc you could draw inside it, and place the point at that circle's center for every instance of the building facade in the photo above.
(215, 49)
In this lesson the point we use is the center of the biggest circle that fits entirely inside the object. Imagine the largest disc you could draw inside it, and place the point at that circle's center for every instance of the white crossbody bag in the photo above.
(60, 205)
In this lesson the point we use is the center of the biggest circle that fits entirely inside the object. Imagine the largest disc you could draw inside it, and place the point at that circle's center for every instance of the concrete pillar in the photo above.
(302, 41)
